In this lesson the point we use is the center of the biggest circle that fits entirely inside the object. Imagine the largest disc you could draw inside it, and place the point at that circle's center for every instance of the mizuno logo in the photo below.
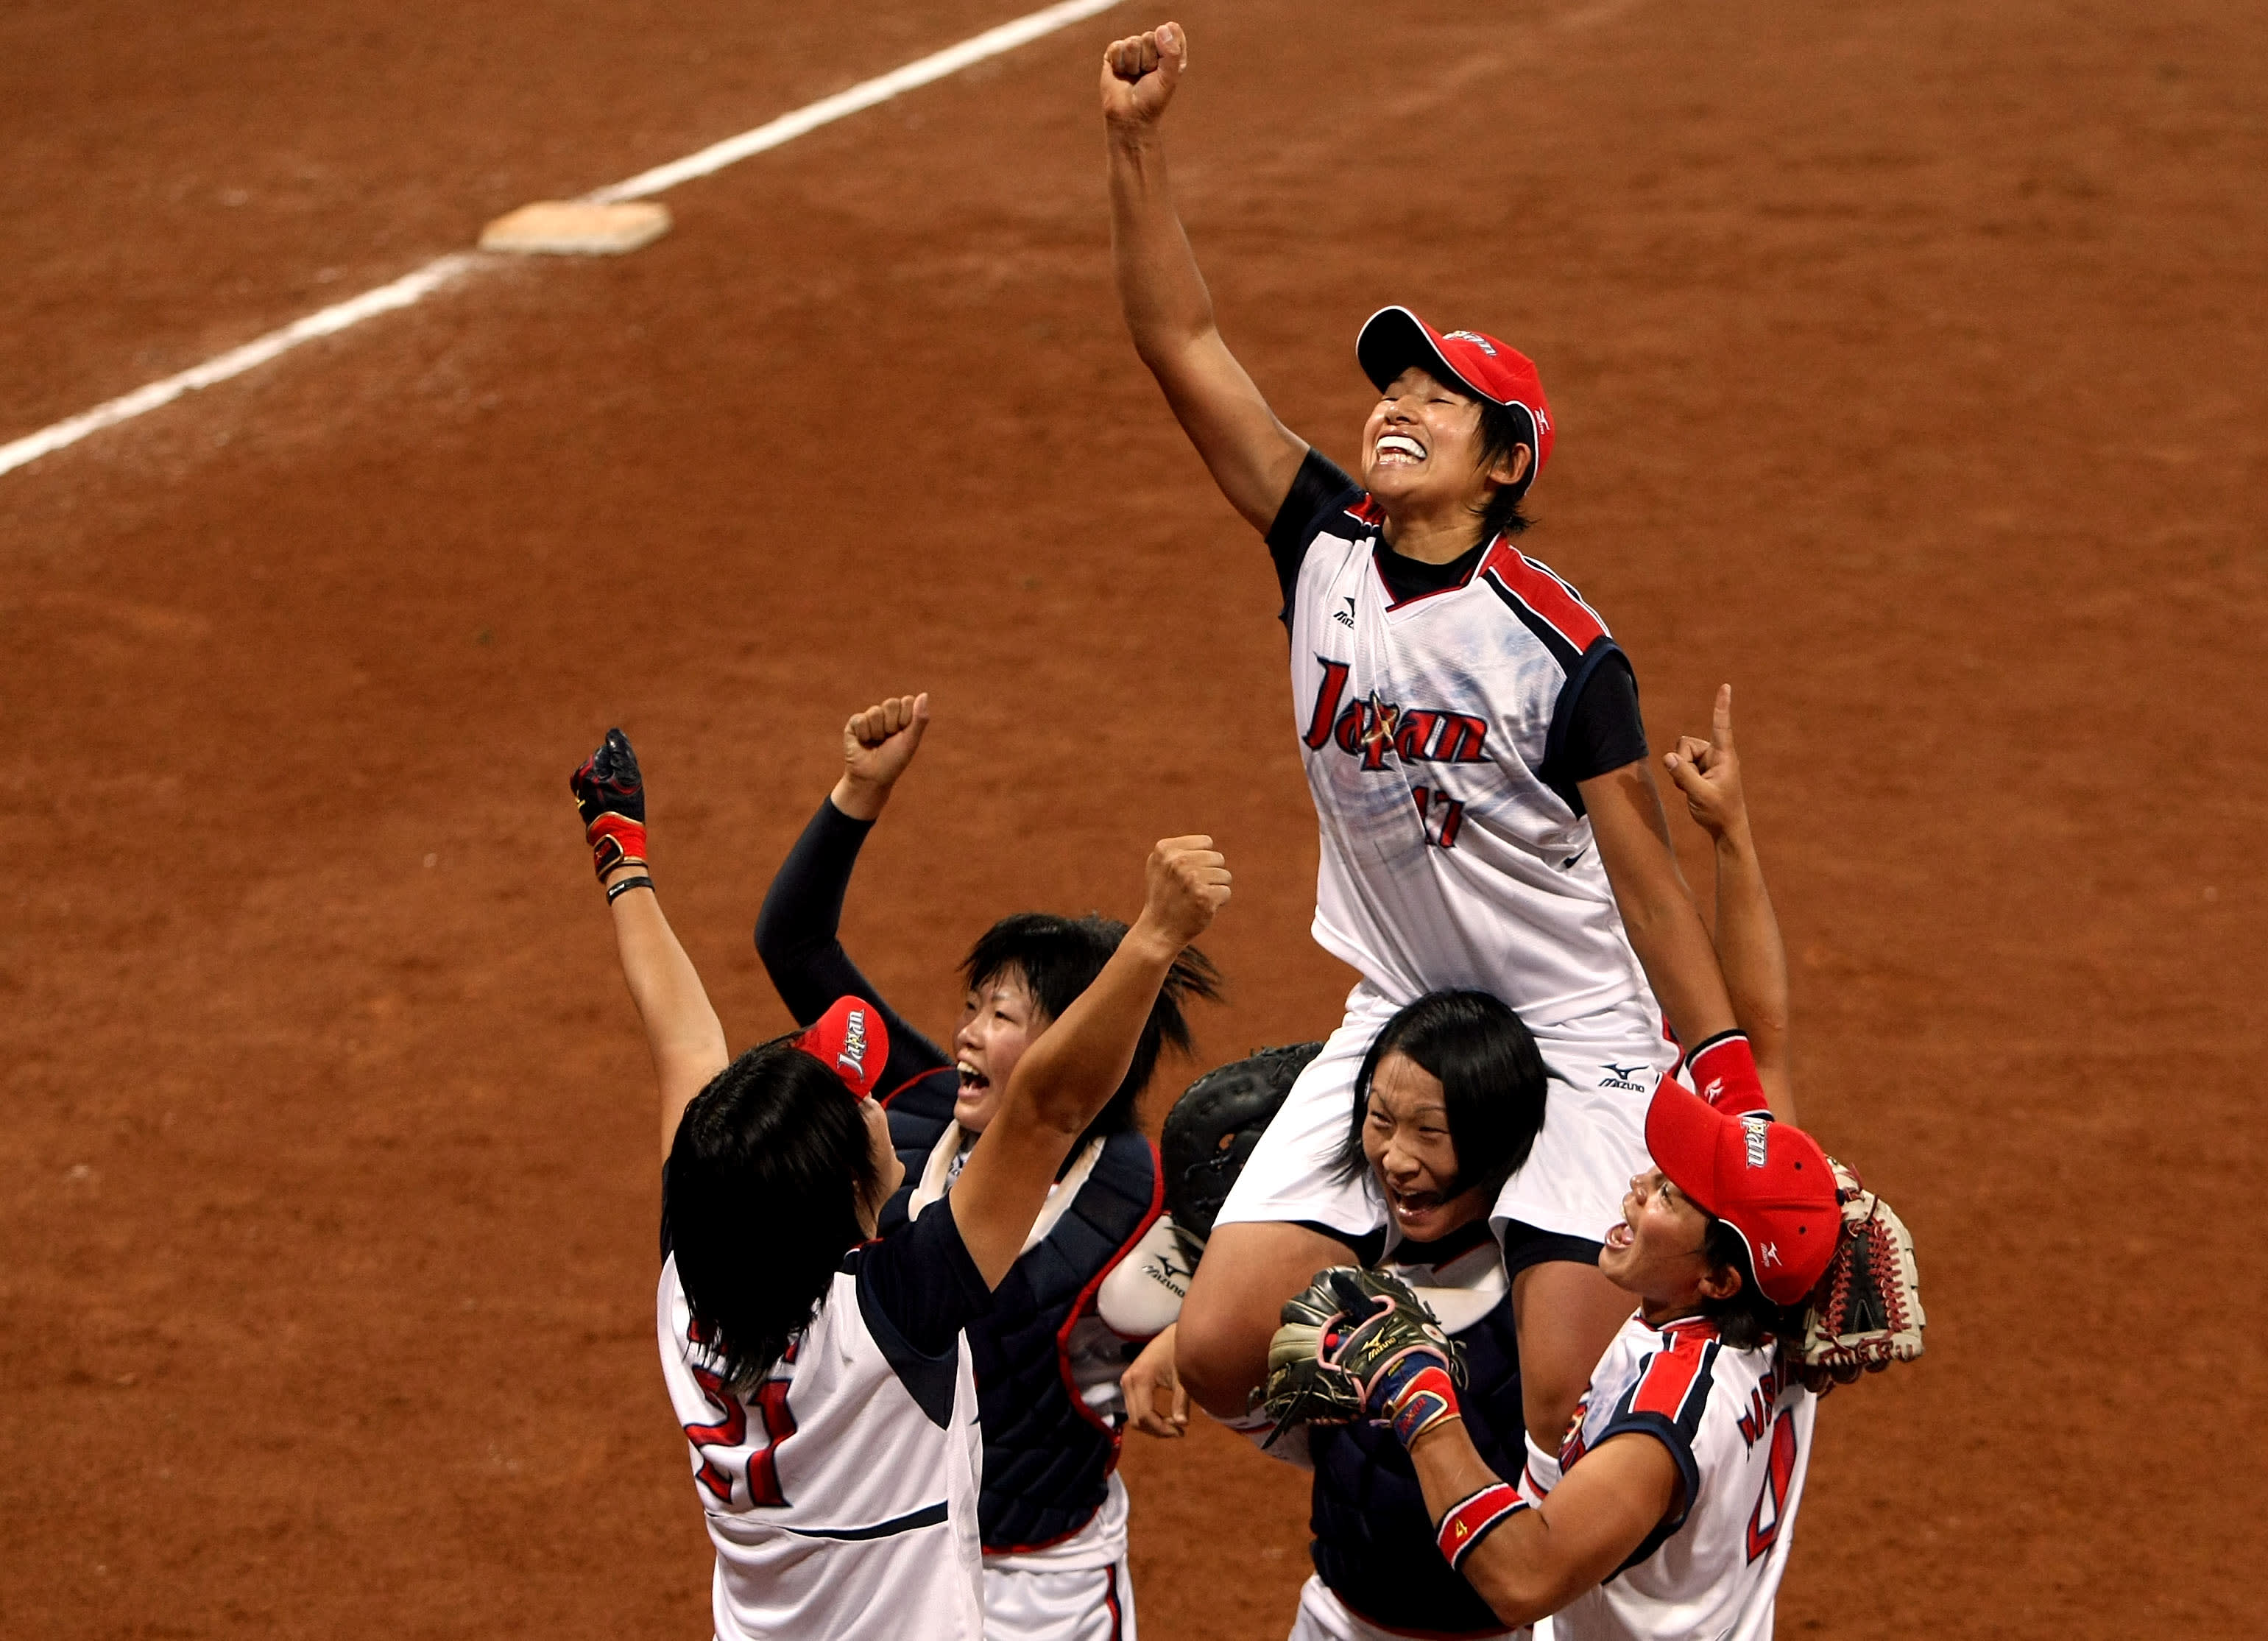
(1175, 1278)
(1624, 1078)
(1345, 617)
(1481, 342)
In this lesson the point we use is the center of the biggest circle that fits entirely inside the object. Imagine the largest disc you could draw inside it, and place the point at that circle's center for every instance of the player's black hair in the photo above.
(1492, 1081)
(1504, 428)
(1747, 1318)
(1057, 958)
(760, 1201)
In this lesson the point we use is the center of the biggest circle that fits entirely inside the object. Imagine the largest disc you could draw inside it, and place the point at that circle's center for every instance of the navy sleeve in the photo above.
(1318, 487)
(1595, 727)
(917, 1289)
(796, 938)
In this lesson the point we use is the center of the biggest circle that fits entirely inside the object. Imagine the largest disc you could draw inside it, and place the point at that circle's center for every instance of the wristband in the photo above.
(616, 891)
(1427, 1397)
(1472, 1518)
(1724, 1075)
(615, 840)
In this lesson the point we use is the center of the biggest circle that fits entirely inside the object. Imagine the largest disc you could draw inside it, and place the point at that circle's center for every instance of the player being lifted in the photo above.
(1472, 742)
(822, 1373)
(1049, 1353)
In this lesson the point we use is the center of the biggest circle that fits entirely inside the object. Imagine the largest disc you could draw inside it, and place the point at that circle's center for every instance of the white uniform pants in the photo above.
(1085, 1604)
(1323, 1617)
(1078, 1590)
(1603, 1068)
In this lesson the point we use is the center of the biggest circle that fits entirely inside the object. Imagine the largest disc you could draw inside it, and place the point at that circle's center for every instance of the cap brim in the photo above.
(1393, 339)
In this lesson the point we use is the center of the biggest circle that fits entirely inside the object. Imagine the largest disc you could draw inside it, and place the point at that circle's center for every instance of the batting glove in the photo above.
(611, 796)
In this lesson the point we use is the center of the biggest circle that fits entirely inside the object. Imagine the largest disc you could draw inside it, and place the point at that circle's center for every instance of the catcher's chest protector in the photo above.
(1374, 1540)
(1048, 1456)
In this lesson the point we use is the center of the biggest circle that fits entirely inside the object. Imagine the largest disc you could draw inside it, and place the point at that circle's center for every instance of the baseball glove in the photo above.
(1212, 1128)
(610, 795)
(1344, 1346)
(1866, 1313)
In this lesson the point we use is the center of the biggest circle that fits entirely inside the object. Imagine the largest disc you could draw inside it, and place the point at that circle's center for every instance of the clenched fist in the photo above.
(1185, 883)
(877, 744)
(1139, 74)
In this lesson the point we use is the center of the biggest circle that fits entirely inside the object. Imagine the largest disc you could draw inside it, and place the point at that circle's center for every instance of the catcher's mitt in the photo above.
(1212, 1128)
(1866, 1313)
(1339, 1342)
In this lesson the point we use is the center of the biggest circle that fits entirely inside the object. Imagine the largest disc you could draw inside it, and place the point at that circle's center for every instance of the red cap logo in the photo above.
(1769, 1181)
(850, 1041)
(1393, 339)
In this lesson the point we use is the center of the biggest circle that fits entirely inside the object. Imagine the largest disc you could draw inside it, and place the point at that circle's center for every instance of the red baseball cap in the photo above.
(1393, 339)
(1769, 1181)
(850, 1041)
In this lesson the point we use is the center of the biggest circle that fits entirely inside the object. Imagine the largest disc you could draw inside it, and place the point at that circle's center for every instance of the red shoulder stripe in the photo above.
(1672, 1375)
(1367, 511)
(1551, 599)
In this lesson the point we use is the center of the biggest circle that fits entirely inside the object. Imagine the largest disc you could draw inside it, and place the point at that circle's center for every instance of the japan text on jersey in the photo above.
(1453, 854)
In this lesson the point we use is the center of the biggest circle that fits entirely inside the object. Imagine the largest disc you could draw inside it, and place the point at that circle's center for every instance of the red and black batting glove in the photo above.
(1725, 1074)
(611, 795)
(1414, 1394)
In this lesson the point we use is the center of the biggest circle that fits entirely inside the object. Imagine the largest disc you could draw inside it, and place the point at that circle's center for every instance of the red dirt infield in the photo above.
(1908, 363)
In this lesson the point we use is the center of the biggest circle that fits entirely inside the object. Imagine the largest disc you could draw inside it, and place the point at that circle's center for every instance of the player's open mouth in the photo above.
(1620, 1235)
(1414, 1205)
(1397, 450)
(972, 1080)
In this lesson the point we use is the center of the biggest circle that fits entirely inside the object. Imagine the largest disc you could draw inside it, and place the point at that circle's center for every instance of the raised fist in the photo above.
(1139, 74)
(1185, 883)
(610, 794)
(877, 744)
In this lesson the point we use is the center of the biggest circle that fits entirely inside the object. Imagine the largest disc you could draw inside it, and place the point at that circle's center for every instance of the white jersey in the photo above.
(841, 1497)
(1434, 730)
(1739, 1424)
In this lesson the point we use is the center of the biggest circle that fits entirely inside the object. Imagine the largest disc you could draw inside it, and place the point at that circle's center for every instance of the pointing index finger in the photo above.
(1720, 719)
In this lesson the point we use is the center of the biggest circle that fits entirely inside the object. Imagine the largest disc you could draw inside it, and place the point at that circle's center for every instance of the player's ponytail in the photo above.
(760, 1202)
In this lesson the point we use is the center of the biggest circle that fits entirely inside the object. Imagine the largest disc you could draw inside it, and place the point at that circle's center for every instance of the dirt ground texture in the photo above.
(1908, 361)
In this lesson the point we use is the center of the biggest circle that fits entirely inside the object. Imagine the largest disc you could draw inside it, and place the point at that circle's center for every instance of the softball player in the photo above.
(1447, 1103)
(1472, 741)
(820, 1372)
(1048, 1355)
(1684, 1465)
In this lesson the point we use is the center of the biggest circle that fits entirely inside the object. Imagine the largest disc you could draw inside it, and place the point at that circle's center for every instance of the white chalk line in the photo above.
(416, 286)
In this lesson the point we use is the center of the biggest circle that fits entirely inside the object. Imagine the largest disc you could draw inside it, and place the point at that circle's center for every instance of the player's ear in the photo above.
(1720, 1283)
(1513, 465)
